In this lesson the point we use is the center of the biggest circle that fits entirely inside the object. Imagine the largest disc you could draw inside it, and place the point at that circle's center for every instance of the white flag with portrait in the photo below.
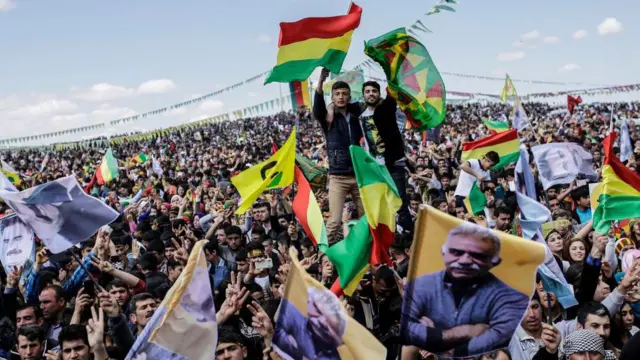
(561, 163)
(17, 246)
(60, 212)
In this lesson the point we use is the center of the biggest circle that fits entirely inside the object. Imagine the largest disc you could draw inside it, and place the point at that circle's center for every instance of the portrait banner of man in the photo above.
(60, 212)
(17, 246)
(312, 323)
(468, 286)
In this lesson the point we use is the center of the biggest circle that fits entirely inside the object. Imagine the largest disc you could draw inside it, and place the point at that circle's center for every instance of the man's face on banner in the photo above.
(325, 322)
(45, 219)
(12, 242)
(467, 257)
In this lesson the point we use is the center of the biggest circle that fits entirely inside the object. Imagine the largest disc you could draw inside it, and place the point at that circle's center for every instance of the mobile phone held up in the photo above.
(89, 288)
(264, 264)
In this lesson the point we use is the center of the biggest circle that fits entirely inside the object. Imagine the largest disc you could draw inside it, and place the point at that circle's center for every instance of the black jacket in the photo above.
(384, 117)
(340, 134)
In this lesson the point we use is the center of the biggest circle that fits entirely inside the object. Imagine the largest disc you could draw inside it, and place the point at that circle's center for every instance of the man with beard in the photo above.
(443, 308)
(383, 140)
(142, 308)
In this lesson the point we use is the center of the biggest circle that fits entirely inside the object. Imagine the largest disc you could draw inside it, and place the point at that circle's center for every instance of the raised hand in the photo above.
(261, 321)
(550, 338)
(109, 305)
(95, 329)
(103, 266)
(13, 278)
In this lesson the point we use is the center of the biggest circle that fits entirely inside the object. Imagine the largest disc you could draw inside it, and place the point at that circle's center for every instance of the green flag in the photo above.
(476, 201)
(496, 125)
(412, 77)
(351, 257)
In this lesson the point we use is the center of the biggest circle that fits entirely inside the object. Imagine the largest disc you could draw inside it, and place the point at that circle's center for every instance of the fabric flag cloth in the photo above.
(6, 184)
(301, 323)
(525, 182)
(45, 161)
(277, 172)
(520, 118)
(558, 286)
(317, 175)
(476, 201)
(60, 212)
(351, 257)
(108, 169)
(572, 102)
(626, 148)
(184, 325)
(506, 144)
(311, 42)
(380, 199)
(12, 177)
(532, 215)
(508, 89)
(141, 158)
(6, 166)
(155, 166)
(300, 96)
(412, 78)
(500, 297)
(306, 209)
(496, 126)
(620, 197)
(561, 163)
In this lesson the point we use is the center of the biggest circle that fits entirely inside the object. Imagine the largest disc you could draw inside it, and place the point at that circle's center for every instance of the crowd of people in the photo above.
(63, 309)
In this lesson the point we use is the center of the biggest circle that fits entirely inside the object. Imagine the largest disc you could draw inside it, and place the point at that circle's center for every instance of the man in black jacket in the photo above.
(384, 141)
(341, 130)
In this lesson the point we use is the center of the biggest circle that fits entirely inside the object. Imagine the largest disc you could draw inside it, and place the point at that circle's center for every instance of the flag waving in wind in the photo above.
(184, 325)
(508, 89)
(308, 213)
(60, 212)
(275, 173)
(312, 42)
(412, 77)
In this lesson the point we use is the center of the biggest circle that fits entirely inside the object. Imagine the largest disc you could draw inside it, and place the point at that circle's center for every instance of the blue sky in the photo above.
(68, 63)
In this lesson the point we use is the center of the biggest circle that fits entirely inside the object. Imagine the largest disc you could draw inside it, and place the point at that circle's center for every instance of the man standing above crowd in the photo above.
(341, 131)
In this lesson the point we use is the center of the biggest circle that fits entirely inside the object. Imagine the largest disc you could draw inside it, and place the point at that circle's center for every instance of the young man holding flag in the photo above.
(341, 130)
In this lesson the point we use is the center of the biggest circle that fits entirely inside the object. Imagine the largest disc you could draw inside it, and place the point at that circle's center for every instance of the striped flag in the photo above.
(496, 126)
(311, 42)
(508, 89)
(476, 201)
(308, 212)
(300, 96)
(506, 144)
(141, 158)
(620, 197)
(108, 169)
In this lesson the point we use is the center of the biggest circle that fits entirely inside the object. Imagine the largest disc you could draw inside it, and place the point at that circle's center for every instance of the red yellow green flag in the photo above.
(311, 42)
(506, 144)
(620, 197)
(308, 212)
(412, 78)
(300, 96)
(108, 169)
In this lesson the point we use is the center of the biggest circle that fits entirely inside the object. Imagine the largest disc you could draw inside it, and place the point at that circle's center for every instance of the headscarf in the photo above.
(583, 341)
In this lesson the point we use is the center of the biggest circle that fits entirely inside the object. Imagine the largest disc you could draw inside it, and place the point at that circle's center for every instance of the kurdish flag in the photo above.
(506, 144)
(380, 199)
(496, 126)
(476, 201)
(311, 42)
(351, 257)
(187, 309)
(412, 78)
(108, 169)
(300, 95)
(13, 177)
(508, 89)
(141, 158)
(620, 197)
(312, 323)
(308, 212)
(274, 173)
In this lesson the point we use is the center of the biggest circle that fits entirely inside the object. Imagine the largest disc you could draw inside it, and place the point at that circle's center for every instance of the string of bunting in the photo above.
(276, 104)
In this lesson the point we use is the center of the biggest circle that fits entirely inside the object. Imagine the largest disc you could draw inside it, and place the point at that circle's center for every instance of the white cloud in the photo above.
(511, 56)
(6, 5)
(9, 102)
(609, 26)
(580, 34)
(264, 38)
(531, 35)
(104, 112)
(569, 67)
(45, 108)
(107, 92)
(517, 43)
(252, 94)
(156, 86)
(209, 105)
(499, 72)
(551, 40)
